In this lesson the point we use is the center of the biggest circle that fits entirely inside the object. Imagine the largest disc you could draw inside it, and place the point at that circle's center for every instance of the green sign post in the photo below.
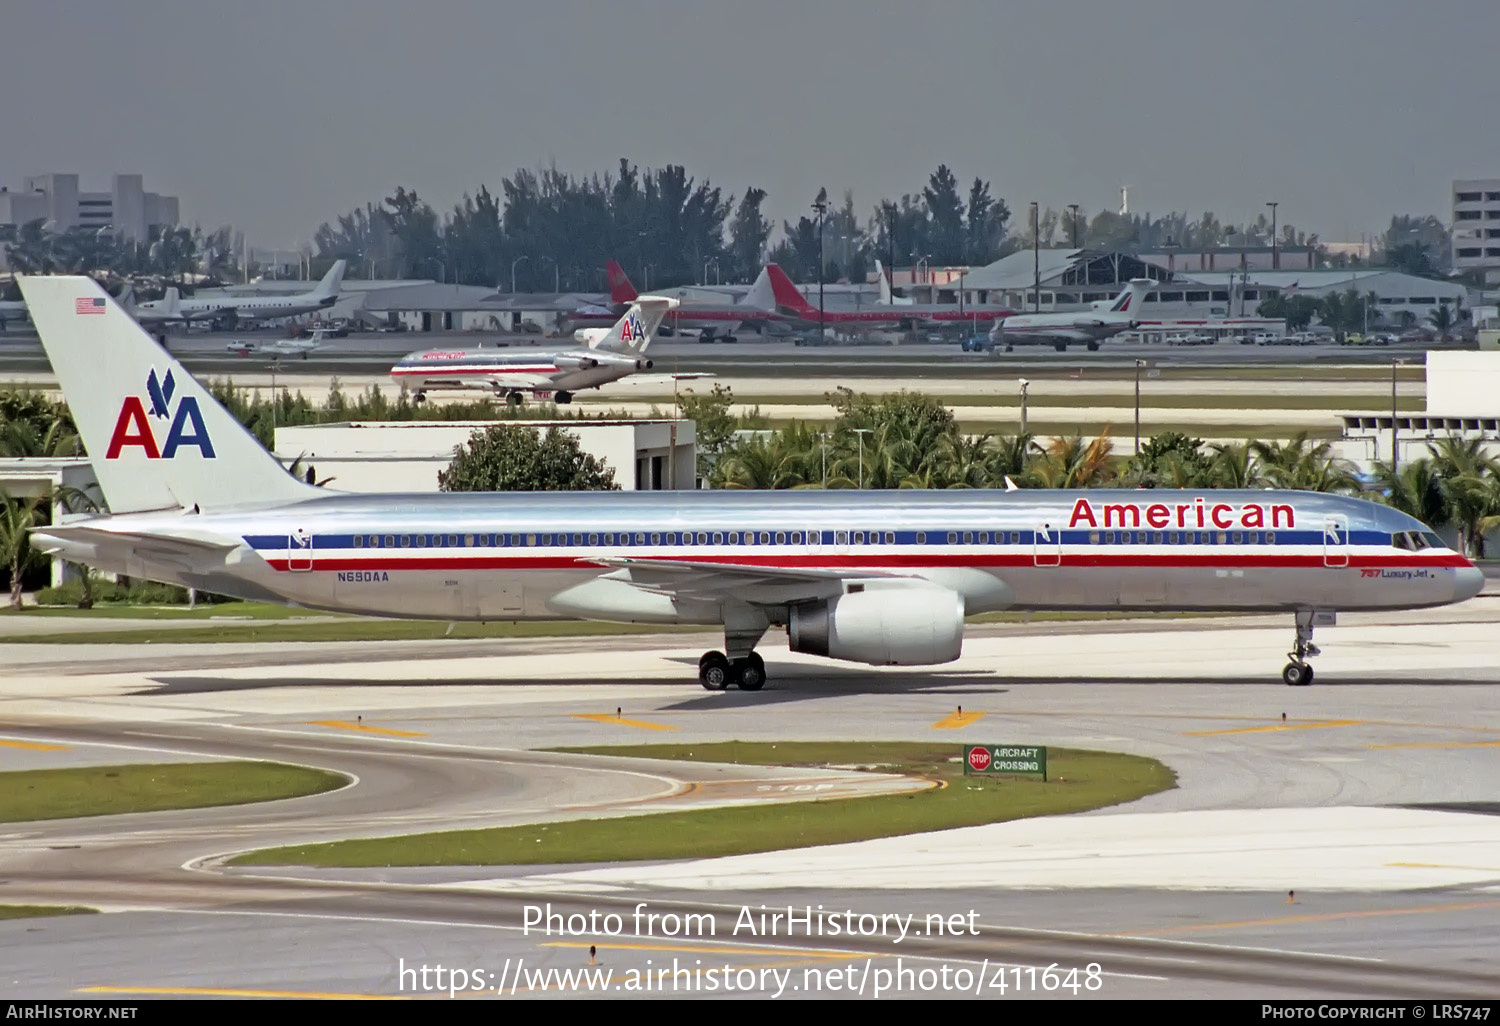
(995, 759)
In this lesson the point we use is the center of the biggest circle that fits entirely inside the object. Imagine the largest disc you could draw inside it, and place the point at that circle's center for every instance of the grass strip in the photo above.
(38, 911)
(27, 795)
(1078, 780)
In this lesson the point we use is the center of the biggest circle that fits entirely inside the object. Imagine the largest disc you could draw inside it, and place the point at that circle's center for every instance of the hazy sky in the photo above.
(275, 116)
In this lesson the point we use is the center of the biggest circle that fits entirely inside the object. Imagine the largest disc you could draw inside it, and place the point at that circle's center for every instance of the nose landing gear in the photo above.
(1299, 673)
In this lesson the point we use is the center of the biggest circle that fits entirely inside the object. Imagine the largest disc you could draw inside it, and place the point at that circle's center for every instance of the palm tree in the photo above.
(1072, 463)
(23, 438)
(1442, 319)
(1416, 489)
(962, 461)
(1303, 465)
(1466, 474)
(17, 517)
(1234, 465)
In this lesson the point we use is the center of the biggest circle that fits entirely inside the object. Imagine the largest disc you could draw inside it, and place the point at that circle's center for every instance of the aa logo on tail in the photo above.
(133, 426)
(633, 330)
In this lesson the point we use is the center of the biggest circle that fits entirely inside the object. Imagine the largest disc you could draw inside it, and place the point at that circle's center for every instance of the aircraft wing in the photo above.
(183, 551)
(708, 581)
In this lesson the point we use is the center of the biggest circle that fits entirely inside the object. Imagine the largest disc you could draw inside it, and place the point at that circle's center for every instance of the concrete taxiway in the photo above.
(1336, 840)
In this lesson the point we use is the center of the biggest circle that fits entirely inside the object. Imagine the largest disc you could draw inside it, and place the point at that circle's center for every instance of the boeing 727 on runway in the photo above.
(878, 577)
(608, 354)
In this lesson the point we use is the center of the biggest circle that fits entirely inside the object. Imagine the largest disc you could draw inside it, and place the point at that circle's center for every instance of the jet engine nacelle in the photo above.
(896, 626)
(575, 362)
(588, 336)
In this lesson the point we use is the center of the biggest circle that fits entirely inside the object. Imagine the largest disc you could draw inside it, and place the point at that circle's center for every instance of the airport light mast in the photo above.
(821, 206)
(1275, 261)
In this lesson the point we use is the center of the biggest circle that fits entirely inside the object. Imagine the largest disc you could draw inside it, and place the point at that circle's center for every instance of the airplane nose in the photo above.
(1467, 582)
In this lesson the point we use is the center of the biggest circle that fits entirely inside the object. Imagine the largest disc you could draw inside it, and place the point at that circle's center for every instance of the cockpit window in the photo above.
(1432, 540)
(1401, 540)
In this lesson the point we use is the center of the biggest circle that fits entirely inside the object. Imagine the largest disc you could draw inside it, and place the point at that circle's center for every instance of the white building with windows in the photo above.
(407, 456)
(1476, 227)
(127, 209)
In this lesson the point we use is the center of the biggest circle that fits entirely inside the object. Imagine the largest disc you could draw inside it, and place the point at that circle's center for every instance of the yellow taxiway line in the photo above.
(695, 949)
(622, 721)
(1442, 744)
(341, 725)
(236, 992)
(1316, 725)
(1315, 917)
(953, 721)
(35, 746)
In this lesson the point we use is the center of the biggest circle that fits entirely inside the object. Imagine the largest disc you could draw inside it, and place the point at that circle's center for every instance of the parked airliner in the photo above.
(878, 577)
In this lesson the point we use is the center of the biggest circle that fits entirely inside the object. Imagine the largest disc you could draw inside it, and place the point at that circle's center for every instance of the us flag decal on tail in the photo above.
(88, 305)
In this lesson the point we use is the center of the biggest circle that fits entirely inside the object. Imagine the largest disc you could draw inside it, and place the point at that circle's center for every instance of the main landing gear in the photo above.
(563, 398)
(716, 672)
(1298, 673)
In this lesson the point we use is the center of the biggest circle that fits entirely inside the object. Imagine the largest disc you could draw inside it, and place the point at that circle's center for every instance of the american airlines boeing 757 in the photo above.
(884, 578)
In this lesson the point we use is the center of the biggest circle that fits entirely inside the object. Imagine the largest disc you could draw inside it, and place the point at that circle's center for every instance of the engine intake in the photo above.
(883, 627)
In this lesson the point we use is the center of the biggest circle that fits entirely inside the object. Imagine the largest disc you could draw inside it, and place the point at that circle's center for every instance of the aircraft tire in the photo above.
(563, 398)
(750, 672)
(1093, 347)
(1297, 675)
(714, 671)
(513, 398)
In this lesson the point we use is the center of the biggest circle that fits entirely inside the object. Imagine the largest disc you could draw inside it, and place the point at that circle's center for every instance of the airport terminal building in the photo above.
(126, 209)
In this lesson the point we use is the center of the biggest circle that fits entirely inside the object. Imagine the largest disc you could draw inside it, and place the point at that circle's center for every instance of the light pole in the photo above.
(1036, 261)
(1275, 260)
(861, 432)
(821, 206)
(1395, 449)
(513, 264)
(1024, 385)
(1074, 208)
(824, 449)
(1138, 365)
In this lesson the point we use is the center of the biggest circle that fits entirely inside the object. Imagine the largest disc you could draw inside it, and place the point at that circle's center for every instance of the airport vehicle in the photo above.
(790, 301)
(1103, 320)
(713, 321)
(976, 344)
(878, 577)
(607, 354)
(11, 311)
(228, 311)
(281, 346)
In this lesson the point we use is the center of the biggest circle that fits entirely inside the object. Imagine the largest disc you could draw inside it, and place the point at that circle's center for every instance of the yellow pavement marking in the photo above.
(1321, 917)
(955, 720)
(1443, 744)
(710, 950)
(341, 725)
(35, 746)
(1275, 726)
(607, 718)
(1440, 865)
(237, 992)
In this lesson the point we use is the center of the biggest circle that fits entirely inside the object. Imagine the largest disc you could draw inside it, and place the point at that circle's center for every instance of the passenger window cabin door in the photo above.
(1046, 546)
(1336, 540)
(299, 551)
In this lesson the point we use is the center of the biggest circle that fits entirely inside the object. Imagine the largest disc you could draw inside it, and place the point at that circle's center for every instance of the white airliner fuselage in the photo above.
(885, 578)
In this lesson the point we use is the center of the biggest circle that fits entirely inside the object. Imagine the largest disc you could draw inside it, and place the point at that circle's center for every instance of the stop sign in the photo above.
(979, 759)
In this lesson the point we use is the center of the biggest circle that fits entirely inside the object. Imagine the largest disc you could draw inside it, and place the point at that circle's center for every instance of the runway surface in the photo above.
(1373, 802)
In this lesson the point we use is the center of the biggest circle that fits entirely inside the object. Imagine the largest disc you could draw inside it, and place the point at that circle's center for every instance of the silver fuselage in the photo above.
(548, 555)
(524, 370)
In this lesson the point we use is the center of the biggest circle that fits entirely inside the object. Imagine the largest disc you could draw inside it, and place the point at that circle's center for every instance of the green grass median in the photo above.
(27, 795)
(1078, 781)
(40, 911)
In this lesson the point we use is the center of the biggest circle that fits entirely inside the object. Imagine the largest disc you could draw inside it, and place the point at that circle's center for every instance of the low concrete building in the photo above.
(406, 456)
(40, 478)
(1463, 399)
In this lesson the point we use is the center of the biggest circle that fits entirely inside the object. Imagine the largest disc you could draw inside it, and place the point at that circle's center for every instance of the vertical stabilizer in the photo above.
(329, 287)
(620, 289)
(156, 438)
(761, 295)
(632, 333)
